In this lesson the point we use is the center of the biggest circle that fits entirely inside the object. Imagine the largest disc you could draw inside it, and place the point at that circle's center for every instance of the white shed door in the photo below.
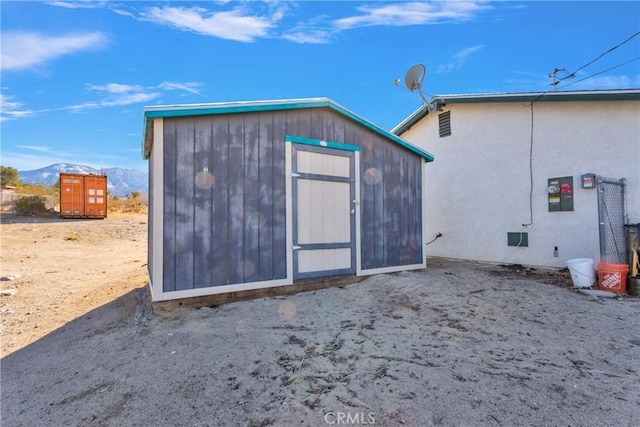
(323, 212)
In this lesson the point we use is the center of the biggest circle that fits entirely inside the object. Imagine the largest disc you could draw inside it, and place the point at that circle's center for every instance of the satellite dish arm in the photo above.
(424, 99)
(413, 81)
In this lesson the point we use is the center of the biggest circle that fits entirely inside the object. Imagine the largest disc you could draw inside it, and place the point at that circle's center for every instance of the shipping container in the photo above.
(83, 196)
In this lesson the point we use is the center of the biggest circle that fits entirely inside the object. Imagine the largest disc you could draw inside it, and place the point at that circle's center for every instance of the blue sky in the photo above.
(75, 75)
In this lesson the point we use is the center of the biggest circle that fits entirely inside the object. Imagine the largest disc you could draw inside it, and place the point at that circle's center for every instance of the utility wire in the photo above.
(530, 172)
(604, 71)
(598, 57)
(545, 93)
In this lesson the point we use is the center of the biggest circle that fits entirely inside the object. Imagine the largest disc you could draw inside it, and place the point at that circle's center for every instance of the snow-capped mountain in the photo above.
(120, 182)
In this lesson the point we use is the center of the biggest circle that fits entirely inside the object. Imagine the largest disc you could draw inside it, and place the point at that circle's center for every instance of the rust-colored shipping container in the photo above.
(83, 196)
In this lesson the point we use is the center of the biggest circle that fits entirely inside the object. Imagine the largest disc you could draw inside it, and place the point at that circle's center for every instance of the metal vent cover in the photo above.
(444, 122)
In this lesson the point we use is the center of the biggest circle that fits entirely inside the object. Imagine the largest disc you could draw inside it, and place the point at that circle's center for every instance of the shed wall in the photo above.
(224, 206)
(391, 194)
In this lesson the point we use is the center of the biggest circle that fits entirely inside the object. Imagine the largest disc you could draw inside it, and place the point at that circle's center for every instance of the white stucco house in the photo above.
(513, 180)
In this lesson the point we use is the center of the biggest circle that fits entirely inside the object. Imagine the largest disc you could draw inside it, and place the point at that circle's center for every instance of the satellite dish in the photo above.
(413, 81)
(413, 78)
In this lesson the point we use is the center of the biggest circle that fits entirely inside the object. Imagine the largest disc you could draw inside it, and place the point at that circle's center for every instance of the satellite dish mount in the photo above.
(413, 82)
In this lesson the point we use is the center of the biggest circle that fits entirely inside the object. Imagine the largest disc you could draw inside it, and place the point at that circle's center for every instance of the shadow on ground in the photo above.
(456, 344)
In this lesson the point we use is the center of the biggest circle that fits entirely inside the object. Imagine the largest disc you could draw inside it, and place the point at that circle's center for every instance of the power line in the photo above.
(557, 80)
(573, 74)
(604, 71)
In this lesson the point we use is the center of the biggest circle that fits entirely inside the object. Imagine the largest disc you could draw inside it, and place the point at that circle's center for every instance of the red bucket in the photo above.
(612, 277)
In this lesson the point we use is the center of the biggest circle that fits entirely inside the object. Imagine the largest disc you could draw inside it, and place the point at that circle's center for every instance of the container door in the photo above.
(323, 212)
(71, 196)
(96, 196)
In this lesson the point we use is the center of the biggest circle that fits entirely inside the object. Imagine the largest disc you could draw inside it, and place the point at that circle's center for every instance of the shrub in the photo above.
(30, 205)
(128, 205)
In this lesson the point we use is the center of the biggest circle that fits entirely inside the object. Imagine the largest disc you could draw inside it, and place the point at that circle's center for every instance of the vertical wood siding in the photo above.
(169, 205)
(391, 210)
(224, 201)
(224, 195)
(202, 202)
(391, 194)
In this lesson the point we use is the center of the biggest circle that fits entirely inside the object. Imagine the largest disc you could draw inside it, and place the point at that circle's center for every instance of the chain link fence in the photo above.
(611, 217)
(8, 201)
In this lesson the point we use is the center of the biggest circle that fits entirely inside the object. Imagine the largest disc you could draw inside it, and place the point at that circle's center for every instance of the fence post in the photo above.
(601, 229)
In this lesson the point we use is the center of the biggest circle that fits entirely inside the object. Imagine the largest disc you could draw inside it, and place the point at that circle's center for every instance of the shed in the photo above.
(265, 194)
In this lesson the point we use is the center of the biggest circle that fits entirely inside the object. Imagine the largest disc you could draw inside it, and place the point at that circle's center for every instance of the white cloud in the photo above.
(308, 36)
(116, 88)
(24, 50)
(123, 12)
(79, 4)
(116, 95)
(191, 87)
(317, 30)
(109, 95)
(40, 148)
(130, 98)
(231, 25)
(411, 13)
(321, 29)
(458, 59)
(11, 110)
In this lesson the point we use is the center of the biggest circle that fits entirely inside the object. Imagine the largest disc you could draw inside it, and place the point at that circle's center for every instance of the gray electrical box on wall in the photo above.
(560, 194)
(589, 180)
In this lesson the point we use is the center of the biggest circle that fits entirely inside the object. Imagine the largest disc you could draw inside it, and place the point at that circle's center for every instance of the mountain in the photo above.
(120, 182)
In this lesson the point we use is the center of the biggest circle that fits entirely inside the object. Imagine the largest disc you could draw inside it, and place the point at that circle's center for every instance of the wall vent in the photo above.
(518, 239)
(444, 120)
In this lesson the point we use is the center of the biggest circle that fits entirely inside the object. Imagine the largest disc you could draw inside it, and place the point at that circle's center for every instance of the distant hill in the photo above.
(120, 182)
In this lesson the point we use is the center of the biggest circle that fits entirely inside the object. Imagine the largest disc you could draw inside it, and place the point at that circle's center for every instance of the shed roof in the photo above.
(561, 96)
(164, 111)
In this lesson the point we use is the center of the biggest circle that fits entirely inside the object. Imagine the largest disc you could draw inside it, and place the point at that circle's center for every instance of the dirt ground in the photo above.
(63, 268)
(456, 344)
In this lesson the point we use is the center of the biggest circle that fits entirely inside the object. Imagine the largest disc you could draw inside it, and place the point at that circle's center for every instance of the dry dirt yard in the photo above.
(457, 344)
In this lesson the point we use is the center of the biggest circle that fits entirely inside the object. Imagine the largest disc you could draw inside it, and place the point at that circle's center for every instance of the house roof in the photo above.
(164, 111)
(563, 96)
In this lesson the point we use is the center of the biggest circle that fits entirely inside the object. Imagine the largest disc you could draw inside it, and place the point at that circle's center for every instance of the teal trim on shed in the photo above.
(321, 143)
(166, 111)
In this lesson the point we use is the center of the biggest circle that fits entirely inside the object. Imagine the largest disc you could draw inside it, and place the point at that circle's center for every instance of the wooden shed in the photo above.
(266, 194)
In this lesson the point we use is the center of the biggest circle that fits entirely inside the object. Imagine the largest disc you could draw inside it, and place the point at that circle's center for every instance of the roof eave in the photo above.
(411, 120)
(586, 95)
(154, 112)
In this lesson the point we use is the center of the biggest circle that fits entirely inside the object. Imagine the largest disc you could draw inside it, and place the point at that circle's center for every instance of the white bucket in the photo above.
(582, 272)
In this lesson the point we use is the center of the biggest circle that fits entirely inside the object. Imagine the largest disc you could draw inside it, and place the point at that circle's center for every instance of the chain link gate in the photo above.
(611, 217)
